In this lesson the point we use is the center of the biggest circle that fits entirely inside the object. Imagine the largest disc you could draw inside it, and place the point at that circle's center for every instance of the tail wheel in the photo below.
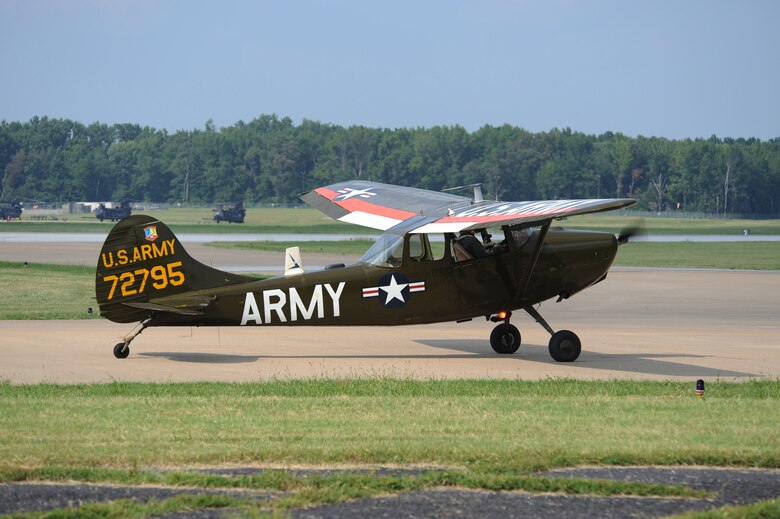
(505, 338)
(121, 350)
(565, 346)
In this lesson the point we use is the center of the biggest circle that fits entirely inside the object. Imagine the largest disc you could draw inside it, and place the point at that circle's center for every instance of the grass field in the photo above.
(309, 220)
(45, 291)
(515, 426)
(194, 220)
(478, 434)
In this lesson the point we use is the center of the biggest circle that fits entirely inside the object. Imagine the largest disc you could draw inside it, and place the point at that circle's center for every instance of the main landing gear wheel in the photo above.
(121, 350)
(505, 338)
(565, 346)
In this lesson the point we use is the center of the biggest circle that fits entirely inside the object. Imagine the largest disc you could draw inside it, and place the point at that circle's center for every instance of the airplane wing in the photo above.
(496, 214)
(383, 206)
(376, 205)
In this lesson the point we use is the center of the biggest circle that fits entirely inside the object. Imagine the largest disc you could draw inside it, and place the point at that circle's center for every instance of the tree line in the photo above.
(271, 159)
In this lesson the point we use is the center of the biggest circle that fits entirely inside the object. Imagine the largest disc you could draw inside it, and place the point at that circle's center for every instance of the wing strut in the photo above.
(526, 279)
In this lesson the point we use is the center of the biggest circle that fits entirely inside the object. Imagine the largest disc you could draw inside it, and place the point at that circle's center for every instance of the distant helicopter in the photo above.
(226, 213)
(123, 210)
(144, 275)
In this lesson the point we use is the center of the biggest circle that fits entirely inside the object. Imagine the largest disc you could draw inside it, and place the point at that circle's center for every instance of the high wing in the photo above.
(379, 206)
(384, 206)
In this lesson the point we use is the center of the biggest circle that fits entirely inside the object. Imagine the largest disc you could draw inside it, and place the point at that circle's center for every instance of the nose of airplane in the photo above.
(580, 258)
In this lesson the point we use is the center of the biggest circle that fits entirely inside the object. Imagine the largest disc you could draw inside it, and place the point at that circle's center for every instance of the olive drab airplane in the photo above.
(425, 268)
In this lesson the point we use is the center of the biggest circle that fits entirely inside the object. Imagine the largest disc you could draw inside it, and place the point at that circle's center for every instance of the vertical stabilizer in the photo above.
(293, 266)
(142, 260)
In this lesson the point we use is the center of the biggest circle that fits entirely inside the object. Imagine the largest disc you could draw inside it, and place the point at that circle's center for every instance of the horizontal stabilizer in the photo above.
(184, 304)
(164, 308)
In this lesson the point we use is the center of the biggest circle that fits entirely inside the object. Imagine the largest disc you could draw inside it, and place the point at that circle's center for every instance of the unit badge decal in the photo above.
(150, 233)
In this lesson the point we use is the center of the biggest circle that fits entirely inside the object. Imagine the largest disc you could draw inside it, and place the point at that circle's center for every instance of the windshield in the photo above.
(386, 252)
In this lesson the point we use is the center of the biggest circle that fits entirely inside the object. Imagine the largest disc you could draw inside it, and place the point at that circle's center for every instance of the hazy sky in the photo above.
(671, 68)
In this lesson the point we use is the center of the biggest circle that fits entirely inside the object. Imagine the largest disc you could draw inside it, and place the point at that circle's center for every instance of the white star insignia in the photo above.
(362, 193)
(394, 290)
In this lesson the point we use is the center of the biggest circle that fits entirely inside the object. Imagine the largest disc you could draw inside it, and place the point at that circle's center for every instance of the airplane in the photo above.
(419, 271)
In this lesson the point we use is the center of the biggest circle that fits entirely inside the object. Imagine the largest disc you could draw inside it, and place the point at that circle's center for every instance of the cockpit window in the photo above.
(521, 236)
(386, 252)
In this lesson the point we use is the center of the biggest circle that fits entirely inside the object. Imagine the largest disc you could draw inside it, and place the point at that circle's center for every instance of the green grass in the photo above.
(46, 291)
(481, 434)
(670, 226)
(502, 425)
(725, 255)
(309, 220)
(199, 220)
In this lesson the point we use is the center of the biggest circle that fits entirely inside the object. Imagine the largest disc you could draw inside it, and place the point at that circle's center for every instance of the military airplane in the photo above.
(425, 268)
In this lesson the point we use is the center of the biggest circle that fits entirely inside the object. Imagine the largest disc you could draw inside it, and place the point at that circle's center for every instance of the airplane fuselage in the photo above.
(414, 292)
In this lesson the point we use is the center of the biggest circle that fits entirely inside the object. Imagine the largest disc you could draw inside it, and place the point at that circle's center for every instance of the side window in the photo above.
(425, 247)
(416, 247)
(438, 246)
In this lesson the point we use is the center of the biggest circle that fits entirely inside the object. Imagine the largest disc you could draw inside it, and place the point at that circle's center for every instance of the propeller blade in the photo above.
(635, 229)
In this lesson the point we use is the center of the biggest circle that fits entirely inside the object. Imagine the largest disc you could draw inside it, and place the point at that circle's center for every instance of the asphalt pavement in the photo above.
(729, 487)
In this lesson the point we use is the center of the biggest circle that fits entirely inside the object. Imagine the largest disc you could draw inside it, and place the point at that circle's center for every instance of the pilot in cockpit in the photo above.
(472, 245)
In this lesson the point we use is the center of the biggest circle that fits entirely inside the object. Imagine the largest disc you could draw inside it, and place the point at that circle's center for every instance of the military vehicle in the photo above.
(10, 210)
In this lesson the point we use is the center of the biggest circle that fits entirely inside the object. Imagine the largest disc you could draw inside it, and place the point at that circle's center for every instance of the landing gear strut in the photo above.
(122, 349)
(564, 345)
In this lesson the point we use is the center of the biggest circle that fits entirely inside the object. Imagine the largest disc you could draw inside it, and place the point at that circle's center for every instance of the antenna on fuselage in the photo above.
(477, 191)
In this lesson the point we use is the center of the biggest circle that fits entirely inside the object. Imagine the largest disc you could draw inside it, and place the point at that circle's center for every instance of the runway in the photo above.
(637, 324)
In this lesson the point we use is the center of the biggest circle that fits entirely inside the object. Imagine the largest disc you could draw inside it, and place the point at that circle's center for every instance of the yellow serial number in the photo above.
(131, 283)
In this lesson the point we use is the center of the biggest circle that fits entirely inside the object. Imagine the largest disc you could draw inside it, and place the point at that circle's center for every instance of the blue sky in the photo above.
(670, 68)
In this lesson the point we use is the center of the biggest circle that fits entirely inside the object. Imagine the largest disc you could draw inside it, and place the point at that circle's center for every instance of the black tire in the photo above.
(505, 338)
(565, 346)
(120, 351)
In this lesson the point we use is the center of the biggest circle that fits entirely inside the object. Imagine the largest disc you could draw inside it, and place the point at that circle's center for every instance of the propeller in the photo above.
(634, 229)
